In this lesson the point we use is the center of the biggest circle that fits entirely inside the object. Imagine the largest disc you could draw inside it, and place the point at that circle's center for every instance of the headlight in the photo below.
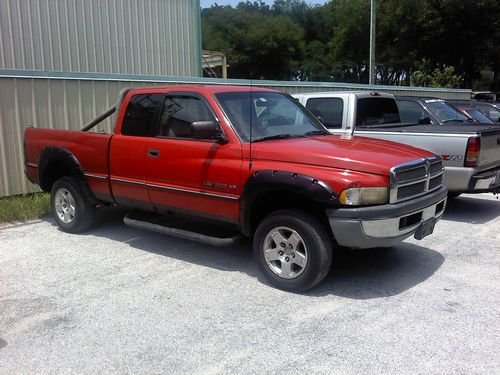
(364, 196)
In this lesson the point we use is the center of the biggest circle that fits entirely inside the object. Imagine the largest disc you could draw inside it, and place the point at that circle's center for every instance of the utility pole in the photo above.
(372, 74)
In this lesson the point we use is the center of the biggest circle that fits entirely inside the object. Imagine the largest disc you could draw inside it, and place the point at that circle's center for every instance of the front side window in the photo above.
(328, 110)
(267, 114)
(140, 114)
(410, 112)
(178, 112)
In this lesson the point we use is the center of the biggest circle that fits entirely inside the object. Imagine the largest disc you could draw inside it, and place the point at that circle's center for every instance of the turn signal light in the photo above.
(472, 152)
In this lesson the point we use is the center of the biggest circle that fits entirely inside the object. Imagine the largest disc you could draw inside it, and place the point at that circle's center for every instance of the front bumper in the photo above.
(385, 225)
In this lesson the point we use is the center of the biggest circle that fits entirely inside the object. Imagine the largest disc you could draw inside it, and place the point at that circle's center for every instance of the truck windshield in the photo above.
(444, 112)
(479, 116)
(269, 115)
(374, 111)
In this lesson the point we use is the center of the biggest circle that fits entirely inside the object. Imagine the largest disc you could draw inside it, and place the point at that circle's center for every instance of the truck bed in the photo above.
(90, 149)
(434, 129)
(449, 141)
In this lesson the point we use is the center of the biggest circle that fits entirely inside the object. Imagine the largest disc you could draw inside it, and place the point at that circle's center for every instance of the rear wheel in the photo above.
(71, 208)
(293, 250)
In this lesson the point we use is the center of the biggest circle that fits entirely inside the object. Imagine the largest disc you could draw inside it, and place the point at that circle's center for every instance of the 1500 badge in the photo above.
(218, 185)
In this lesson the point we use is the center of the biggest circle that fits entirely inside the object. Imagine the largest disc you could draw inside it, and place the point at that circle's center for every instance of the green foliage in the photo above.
(294, 40)
(260, 43)
(443, 76)
(24, 207)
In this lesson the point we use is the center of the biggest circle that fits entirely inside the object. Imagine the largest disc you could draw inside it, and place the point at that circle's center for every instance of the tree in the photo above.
(293, 40)
(349, 44)
(260, 43)
(443, 76)
(458, 33)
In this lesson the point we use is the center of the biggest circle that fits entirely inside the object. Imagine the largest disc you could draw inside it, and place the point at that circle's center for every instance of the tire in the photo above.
(453, 195)
(71, 208)
(304, 261)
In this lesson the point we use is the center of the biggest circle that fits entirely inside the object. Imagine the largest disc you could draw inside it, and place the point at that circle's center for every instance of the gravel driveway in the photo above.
(121, 300)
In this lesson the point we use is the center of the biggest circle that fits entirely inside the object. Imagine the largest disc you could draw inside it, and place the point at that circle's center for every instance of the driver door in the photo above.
(188, 175)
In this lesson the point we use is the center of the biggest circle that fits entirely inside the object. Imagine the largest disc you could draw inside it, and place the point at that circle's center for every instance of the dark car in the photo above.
(490, 109)
(474, 113)
(428, 110)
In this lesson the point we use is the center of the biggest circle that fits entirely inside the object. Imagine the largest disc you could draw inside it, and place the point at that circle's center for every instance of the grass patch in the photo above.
(24, 207)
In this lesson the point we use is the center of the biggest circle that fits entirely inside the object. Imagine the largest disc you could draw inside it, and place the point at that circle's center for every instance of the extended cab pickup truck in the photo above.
(253, 159)
(470, 151)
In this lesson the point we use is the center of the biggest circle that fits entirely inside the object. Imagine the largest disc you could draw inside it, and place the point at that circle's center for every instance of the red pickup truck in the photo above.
(251, 158)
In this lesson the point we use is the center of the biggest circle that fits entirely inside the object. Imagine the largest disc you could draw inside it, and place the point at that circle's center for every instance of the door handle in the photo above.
(154, 153)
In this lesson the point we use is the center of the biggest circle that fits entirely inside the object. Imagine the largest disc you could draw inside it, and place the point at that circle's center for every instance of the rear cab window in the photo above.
(373, 111)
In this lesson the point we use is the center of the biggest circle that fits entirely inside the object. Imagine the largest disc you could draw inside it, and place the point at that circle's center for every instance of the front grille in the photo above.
(416, 178)
(411, 190)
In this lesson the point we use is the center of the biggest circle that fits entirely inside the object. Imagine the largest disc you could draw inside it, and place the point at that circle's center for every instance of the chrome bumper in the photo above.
(385, 225)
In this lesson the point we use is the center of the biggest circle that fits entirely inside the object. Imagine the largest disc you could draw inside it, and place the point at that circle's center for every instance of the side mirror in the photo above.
(208, 130)
(424, 121)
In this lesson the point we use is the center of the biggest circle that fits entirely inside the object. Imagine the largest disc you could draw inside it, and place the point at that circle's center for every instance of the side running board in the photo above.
(182, 232)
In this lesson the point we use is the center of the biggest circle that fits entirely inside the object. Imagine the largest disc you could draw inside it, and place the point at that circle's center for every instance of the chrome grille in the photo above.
(416, 178)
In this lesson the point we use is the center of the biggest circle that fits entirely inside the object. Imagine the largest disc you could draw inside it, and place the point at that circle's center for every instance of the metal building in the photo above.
(160, 37)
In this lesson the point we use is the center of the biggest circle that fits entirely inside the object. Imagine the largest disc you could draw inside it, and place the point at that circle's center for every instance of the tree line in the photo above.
(453, 43)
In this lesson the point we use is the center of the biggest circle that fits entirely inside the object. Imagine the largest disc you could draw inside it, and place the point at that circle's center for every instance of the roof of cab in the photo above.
(208, 89)
(359, 93)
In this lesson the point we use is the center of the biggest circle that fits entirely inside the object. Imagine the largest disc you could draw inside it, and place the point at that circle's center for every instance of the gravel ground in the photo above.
(121, 300)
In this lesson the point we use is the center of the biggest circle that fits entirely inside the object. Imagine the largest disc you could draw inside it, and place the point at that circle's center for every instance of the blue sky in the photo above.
(207, 3)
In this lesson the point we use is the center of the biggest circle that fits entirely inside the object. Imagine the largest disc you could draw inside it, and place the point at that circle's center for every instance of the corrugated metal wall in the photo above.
(68, 101)
(160, 37)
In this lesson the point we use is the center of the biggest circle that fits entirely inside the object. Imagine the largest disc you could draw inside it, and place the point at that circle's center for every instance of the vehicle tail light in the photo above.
(472, 152)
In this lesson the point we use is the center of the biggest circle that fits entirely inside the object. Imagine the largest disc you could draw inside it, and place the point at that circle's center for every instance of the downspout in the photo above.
(197, 37)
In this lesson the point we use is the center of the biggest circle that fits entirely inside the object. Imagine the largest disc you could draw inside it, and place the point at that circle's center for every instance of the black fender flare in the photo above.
(266, 181)
(51, 154)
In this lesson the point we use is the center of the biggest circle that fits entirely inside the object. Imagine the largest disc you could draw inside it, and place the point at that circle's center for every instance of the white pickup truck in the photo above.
(470, 152)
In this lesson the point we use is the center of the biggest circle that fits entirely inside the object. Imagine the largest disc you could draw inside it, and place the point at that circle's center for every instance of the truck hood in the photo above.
(343, 152)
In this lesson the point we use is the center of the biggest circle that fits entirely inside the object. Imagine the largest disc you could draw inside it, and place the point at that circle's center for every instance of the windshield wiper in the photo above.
(273, 137)
(316, 132)
(453, 119)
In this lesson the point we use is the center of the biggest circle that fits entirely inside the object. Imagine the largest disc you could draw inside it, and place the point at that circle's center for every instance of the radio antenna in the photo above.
(251, 123)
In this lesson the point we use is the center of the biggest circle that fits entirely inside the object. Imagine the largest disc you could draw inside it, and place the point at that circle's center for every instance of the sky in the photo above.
(208, 3)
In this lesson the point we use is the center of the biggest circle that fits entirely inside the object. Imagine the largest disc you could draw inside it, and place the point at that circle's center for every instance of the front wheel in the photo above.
(293, 250)
(70, 206)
